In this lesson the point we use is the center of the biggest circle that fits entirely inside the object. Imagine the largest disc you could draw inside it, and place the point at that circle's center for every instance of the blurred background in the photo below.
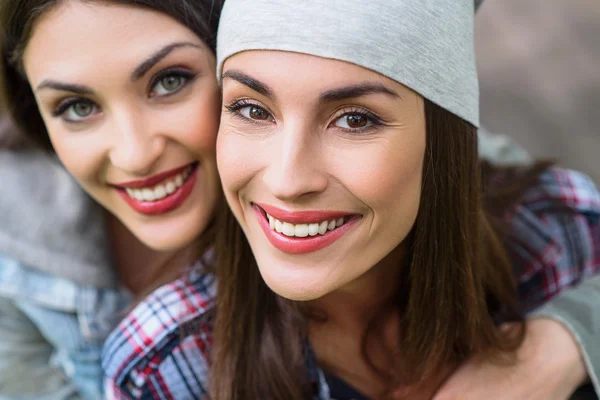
(539, 64)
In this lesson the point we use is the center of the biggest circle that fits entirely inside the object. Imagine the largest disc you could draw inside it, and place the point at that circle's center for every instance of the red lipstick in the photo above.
(302, 217)
(308, 244)
(166, 204)
(153, 180)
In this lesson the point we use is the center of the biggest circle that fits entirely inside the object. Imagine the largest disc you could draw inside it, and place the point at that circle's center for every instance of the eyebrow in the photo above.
(329, 96)
(354, 91)
(137, 74)
(250, 82)
(151, 61)
(66, 87)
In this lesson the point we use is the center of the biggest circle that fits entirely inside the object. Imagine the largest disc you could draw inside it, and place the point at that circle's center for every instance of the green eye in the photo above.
(75, 110)
(169, 84)
(82, 110)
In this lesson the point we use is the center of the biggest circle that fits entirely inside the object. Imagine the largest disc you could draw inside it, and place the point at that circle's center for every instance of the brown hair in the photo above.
(10, 138)
(17, 19)
(456, 271)
(27, 129)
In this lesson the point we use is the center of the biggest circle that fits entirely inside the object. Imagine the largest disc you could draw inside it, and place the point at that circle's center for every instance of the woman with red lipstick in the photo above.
(358, 260)
(125, 94)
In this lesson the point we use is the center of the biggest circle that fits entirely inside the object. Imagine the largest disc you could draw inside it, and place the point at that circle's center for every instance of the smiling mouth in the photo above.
(161, 190)
(161, 193)
(305, 229)
(303, 232)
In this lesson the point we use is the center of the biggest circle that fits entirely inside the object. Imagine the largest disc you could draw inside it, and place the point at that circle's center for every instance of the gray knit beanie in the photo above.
(427, 45)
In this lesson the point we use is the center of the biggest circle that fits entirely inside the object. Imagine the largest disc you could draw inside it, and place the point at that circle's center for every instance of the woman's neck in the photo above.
(352, 307)
(365, 305)
(138, 266)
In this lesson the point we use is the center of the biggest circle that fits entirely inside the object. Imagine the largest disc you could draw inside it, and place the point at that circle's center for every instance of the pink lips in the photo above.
(302, 245)
(165, 205)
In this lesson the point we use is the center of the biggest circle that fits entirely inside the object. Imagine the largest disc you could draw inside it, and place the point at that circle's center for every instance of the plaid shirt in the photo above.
(161, 350)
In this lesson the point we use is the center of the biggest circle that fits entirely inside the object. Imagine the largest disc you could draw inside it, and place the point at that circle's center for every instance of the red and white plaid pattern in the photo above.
(160, 351)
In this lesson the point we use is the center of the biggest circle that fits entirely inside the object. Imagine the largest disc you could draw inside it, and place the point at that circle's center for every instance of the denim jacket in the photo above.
(70, 324)
(59, 296)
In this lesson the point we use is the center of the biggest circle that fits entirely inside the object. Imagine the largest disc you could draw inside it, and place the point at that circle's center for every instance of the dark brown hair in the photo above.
(27, 129)
(456, 285)
(17, 19)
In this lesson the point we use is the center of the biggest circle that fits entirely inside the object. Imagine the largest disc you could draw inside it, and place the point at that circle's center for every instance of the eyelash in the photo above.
(187, 75)
(64, 105)
(236, 105)
(179, 72)
(375, 121)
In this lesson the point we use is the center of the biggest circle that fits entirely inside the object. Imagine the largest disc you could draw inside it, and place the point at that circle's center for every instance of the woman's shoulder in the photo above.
(555, 235)
(160, 350)
(560, 188)
(64, 239)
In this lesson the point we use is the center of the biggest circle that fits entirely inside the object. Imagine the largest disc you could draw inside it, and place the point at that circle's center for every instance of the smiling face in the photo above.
(131, 104)
(321, 163)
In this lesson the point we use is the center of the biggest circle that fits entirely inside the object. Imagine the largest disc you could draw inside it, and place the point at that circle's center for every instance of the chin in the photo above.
(169, 242)
(172, 234)
(296, 288)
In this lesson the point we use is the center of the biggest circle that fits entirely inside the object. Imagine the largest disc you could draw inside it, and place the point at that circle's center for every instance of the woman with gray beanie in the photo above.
(358, 259)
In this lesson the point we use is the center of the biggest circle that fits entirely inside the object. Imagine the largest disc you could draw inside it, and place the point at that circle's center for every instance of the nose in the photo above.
(137, 146)
(295, 167)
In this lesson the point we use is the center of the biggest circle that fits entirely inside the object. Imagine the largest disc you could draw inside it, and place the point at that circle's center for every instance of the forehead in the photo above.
(76, 35)
(298, 73)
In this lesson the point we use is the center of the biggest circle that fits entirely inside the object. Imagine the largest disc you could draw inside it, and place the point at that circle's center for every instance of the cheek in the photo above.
(199, 123)
(238, 158)
(388, 180)
(80, 154)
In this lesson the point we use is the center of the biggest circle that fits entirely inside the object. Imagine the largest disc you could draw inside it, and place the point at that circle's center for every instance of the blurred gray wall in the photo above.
(539, 64)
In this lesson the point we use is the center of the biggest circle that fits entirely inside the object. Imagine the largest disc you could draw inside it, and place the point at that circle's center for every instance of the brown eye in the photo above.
(258, 113)
(355, 121)
(255, 113)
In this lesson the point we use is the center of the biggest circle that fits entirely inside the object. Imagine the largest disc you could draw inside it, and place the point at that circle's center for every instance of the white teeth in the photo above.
(138, 195)
(148, 194)
(170, 187)
(162, 190)
(288, 229)
(303, 230)
(323, 227)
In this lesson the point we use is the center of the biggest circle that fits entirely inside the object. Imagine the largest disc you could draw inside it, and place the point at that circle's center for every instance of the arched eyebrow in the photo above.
(250, 82)
(358, 90)
(329, 96)
(151, 61)
(137, 73)
(65, 87)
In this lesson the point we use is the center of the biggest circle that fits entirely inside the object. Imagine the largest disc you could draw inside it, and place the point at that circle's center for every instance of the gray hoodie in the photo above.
(48, 223)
